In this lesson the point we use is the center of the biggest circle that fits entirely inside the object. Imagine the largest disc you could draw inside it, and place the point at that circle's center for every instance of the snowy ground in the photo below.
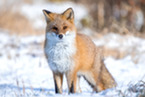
(24, 71)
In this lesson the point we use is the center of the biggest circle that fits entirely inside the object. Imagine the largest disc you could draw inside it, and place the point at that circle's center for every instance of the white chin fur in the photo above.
(60, 51)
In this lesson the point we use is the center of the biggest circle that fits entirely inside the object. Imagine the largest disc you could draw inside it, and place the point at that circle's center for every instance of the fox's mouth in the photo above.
(59, 37)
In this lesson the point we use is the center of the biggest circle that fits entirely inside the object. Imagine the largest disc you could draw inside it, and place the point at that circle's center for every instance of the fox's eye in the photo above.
(55, 28)
(65, 27)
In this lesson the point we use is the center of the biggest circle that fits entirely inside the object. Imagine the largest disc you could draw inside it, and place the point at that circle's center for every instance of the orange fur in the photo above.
(85, 58)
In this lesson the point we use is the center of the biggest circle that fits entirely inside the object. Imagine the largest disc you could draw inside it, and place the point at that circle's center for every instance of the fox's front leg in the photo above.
(72, 82)
(58, 79)
(78, 85)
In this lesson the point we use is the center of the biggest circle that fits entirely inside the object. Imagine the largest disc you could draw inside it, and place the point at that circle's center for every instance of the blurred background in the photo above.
(119, 16)
(102, 16)
(117, 26)
(95, 18)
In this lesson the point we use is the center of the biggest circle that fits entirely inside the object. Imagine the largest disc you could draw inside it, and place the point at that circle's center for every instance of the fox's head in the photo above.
(60, 26)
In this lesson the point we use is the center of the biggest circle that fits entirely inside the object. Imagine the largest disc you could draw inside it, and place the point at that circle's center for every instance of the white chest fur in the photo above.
(60, 53)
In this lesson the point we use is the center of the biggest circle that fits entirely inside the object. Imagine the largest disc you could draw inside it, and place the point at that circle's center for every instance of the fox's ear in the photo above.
(69, 13)
(48, 15)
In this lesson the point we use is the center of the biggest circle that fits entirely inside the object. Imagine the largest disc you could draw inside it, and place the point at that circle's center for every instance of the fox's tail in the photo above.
(106, 80)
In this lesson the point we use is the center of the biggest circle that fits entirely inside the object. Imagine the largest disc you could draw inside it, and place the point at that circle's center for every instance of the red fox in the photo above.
(73, 55)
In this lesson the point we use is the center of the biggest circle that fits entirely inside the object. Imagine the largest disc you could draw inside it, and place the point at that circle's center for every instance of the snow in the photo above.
(125, 69)
(24, 70)
(121, 42)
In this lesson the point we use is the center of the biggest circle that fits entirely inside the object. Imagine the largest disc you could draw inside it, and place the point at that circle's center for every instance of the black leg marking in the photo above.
(94, 87)
(56, 87)
(72, 88)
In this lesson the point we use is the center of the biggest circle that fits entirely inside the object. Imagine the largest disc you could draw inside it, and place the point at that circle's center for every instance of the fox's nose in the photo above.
(60, 36)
